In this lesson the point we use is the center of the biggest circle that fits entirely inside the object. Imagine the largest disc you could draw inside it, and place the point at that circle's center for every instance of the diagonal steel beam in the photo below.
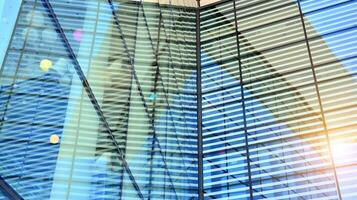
(157, 142)
(159, 76)
(88, 89)
(129, 106)
(155, 91)
(8, 190)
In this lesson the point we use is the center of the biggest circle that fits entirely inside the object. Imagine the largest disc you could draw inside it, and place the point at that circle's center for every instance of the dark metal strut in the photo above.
(199, 105)
(243, 104)
(8, 190)
(317, 89)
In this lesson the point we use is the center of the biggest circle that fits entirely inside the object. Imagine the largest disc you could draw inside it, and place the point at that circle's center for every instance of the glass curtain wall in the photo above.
(278, 89)
(98, 101)
(332, 37)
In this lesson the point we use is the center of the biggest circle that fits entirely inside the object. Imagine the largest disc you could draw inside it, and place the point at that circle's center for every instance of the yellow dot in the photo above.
(54, 139)
(45, 65)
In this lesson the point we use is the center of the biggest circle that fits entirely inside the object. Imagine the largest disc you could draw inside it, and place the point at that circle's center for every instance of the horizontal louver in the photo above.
(139, 62)
(278, 109)
(297, 140)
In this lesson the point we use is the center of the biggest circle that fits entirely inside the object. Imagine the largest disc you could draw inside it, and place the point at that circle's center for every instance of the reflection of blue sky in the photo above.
(343, 44)
(8, 14)
(341, 18)
(35, 109)
(341, 15)
(226, 118)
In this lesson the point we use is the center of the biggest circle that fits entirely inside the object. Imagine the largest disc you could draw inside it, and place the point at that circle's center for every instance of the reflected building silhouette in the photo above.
(101, 100)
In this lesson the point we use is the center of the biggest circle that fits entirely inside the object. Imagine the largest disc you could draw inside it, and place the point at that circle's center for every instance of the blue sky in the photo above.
(8, 13)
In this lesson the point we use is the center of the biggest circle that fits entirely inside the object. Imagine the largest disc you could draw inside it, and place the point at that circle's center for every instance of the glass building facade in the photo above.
(235, 99)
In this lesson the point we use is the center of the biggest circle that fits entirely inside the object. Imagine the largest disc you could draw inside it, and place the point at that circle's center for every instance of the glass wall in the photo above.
(98, 101)
(279, 88)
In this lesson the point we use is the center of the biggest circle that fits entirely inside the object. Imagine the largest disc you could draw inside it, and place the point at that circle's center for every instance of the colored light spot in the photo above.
(54, 139)
(153, 96)
(45, 65)
(77, 34)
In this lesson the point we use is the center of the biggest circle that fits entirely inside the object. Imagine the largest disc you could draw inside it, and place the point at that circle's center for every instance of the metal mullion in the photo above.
(92, 98)
(233, 176)
(286, 165)
(243, 103)
(222, 96)
(272, 177)
(199, 105)
(281, 91)
(220, 138)
(175, 78)
(326, 132)
(299, 41)
(253, 138)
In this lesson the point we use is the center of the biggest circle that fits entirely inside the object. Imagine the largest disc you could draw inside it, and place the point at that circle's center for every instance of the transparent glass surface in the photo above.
(98, 99)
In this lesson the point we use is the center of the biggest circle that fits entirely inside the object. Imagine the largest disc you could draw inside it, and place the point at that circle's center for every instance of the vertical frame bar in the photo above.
(243, 103)
(199, 105)
(320, 102)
